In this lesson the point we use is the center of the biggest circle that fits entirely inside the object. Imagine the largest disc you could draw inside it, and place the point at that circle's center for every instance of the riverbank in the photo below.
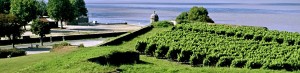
(75, 33)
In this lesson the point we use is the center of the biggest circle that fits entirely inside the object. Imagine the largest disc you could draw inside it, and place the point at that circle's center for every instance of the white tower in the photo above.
(154, 17)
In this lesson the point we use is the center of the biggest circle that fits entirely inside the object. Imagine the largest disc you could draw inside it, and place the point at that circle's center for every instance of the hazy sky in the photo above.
(193, 1)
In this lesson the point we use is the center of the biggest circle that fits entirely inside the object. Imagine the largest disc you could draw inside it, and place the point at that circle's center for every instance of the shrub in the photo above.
(254, 64)
(196, 14)
(162, 24)
(211, 60)
(81, 45)
(258, 38)
(184, 56)
(182, 18)
(225, 61)
(212, 31)
(248, 36)
(141, 46)
(294, 67)
(150, 49)
(268, 38)
(197, 58)
(230, 33)
(298, 43)
(117, 58)
(282, 65)
(290, 42)
(239, 34)
(4, 53)
(279, 40)
(173, 53)
(238, 63)
(123, 57)
(199, 14)
(161, 51)
(275, 66)
(221, 32)
(61, 44)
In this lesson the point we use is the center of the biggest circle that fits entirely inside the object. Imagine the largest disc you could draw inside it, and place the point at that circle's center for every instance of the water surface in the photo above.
(278, 16)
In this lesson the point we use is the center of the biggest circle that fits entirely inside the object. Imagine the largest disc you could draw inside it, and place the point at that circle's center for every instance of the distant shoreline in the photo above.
(288, 4)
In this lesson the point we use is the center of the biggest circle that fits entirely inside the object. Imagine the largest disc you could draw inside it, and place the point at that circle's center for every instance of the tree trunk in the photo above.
(24, 27)
(61, 24)
(41, 40)
(13, 41)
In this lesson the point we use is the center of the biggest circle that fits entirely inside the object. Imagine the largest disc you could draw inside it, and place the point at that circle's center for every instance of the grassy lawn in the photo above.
(76, 62)
(15, 64)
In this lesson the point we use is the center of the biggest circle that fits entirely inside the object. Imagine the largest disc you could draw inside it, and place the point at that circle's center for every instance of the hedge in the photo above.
(117, 58)
(5, 53)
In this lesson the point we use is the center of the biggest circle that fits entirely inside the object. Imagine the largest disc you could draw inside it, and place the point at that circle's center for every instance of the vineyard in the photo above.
(203, 44)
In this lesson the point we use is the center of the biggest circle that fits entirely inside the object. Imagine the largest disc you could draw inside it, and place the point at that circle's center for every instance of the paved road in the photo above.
(48, 45)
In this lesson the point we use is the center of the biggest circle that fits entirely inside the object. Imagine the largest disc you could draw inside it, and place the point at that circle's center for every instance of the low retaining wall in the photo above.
(127, 37)
(60, 38)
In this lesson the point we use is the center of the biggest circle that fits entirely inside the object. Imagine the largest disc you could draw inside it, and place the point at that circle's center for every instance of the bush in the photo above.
(199, 14)
(221, 32)
(248, 36)
(225, 61)
(239, 34)
(117, 58)
(298, 43)
(182, 18)
(197, 58)
(196, 14)
(258, 38)
(212, 31)
(279, 40)
(229, 34)
(253, 64)
(184, 56)
(211, 60)
(281, 65)
(4, 53)
(161, 51)
(173, 53)
(240, 63)
(291, 42)
(141, 46)
(61, 44)
(162, 24)
(294, 67)
(268, 38)
(81, 45)
(150, 49)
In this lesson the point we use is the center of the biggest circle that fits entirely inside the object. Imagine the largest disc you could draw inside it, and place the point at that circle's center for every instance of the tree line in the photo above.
(15, 14)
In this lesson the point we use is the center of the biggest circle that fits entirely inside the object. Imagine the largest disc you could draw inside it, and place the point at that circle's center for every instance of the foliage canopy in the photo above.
(196, 14)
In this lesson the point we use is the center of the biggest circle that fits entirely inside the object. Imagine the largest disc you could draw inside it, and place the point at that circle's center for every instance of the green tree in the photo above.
(2, 25)
(41, 8)
(198, 14)
(24, 10)
(60, 10)
(40, 28)
(4, 6)
(182, 18)
(79, 8)
(7, 23)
